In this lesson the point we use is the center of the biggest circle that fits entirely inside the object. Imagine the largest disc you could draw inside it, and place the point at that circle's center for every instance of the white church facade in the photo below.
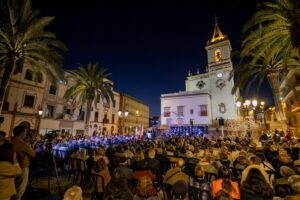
(207, 96)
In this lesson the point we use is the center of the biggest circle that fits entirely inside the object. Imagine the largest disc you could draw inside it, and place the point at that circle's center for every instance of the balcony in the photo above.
(105, 121)
(167, 114)
(295, 107)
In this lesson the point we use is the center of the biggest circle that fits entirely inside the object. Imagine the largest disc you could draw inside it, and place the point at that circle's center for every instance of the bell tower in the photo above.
(219, 68)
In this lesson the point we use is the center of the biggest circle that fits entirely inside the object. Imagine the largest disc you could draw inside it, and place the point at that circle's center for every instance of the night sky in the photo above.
(147, 47)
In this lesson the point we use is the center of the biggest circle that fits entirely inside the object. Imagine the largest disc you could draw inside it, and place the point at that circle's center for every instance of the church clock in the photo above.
(219, 74)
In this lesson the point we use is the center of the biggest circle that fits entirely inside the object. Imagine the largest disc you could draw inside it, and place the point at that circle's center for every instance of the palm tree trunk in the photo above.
(88, 115)
(273, 79)
(8, 71)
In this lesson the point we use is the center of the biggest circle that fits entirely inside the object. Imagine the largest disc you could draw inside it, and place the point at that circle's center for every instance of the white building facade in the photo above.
(207, 96)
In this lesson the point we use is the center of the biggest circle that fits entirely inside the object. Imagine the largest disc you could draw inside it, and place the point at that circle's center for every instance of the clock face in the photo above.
(220, 75)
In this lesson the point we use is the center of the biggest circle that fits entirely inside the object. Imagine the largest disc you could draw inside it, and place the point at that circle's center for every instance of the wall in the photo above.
(189, 102)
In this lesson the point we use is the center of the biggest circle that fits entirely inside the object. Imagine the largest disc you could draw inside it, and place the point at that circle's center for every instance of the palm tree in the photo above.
(90, 83)
(276, 25)
(268, 66)
(24, 40)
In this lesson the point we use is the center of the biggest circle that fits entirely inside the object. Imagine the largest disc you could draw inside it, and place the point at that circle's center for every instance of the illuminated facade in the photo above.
(207, 96)
(290, 94)
(137, 120)
(26, 95)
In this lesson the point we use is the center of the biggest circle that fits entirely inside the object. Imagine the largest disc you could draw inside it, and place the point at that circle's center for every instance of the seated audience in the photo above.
(100, 153)
(9, 169)
(145, 190)
(2, 138)
(73, 193)
(198, 180)
(176, 173)
(127, 172)
(294, 182)
(180, 190)
(153, 165)
(101, 169)
(118, 188)
(255, 184)
(224, 184)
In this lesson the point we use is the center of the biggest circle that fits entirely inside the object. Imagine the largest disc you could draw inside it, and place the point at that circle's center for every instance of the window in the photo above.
(65, 82)
(52, 89)
(67, 110)
(96, 116)
(191, 111)
(98, 98)
(81, 115)
(105, 119)
(39, 77)
(113, 118)
(167, 111)
(180, 111)
(105, 103)
(29, 101)
(50, 111)
(203, 110)
(28, 75)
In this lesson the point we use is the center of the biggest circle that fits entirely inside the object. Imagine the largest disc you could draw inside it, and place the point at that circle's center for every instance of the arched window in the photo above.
(52, 89)
(28, 75)
(39, 77)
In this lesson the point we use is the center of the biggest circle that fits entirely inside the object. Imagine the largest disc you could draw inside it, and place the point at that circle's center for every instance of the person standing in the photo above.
(24, 154)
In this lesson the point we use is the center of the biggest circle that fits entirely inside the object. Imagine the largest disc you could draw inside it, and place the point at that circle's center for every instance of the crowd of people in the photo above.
(165, 167)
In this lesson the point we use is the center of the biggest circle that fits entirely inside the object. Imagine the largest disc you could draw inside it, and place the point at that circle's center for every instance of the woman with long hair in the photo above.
(255, 184)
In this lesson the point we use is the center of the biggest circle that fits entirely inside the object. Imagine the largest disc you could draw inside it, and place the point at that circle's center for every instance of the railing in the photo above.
(295, 107)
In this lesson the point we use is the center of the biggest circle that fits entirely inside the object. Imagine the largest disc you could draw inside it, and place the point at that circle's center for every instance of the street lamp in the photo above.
(137, 114)
(40, 114)
(123, 115)
(250, 105)
(247, 105)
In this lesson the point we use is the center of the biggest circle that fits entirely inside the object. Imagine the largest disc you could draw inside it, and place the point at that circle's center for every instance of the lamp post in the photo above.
(262, 108)
(246, 106)
(137, 114)
(123, 115)
(40, 114)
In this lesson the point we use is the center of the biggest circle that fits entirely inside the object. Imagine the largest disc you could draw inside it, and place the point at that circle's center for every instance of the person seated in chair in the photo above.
(294, 182)
(73, 193)
(225, 184)
(154, 165)
(146, 190)
(127, 172)
(180, 190)
(118, 187)
(101, 169)
(176, 173)
(255, 184)
(198, 180)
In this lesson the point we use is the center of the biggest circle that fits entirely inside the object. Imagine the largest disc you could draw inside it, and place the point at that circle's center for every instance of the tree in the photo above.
(276, 25)
(90, 84)
(24, 40)
(268, 66)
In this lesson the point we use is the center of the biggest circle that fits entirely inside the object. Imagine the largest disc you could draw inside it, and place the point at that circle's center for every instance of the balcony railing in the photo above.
(295, 107)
